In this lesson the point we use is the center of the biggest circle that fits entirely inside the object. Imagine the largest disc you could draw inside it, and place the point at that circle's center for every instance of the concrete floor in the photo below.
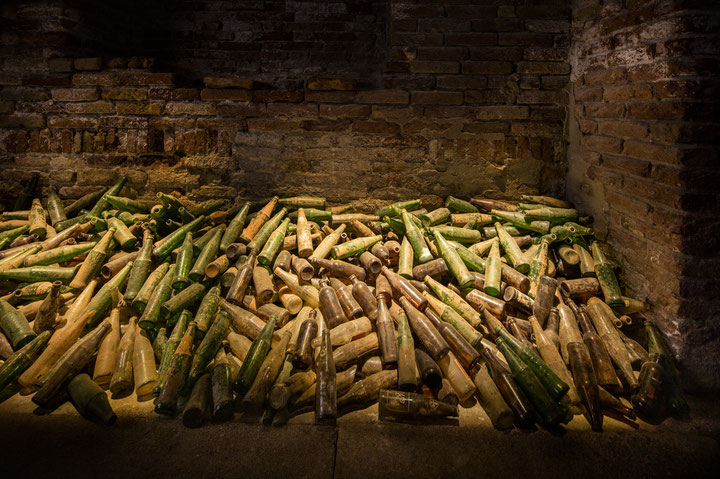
(142, 444)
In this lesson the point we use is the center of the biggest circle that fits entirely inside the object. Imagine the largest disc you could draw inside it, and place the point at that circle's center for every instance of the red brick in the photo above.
(305, 110)
(526, 38)
(237, 110)
(325, 125)
(470, 39)
(627, 165)
(625, 204)
(652, 152)
(508, 54)
(210, 94)
(398, 97)
(418, 39)
(606, 76)
(126, 94)
(487, 68)
(626, 129)
(173, 94)
(434, 67)
(331, 84)
(268, 96)
(94, 63)
(656, 111)
(441, 53)
(462, 82)
(330, 96)
(263, 124)
(74, 122)
(489, 96)
(588, 94)
(193, 109)
(503, 112)
(487, 127)
(604, 110)
(587, 126)
(228, 82)
(437, 97)
(443, 25)
(391, 112)
(544, 68)
(540, 97)
(628, 92)
(75, 94)
(95, 107)
(379, 127)
(140, 108)
(536, 129)
(603, 144)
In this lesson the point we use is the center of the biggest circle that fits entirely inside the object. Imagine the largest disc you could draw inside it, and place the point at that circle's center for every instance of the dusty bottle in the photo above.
(544, 298)
(405, 288)
(348, 331)
(384, 324)
(234, 227)
(144, 372)
(183, 264)
(257, 222)
(172, 344)
(36, 219)
(308, 293)
(143, 296)
(602, 317)
(207, 309)
(326, 400)
(304, 240)
(549, 353)
(302, 357)
(606, 277)
(93, 262)
(549, 413)
(649, 400)
(151, 312)
(198, 405)
(253, 400)
(141, 268)
(341, 269)
(455, 264)
(302, 267)
(459, 379)
(456, 302)
(107, 353)
(416, 239)
(399, 405)
(405, 259)
(452, 318)
(350, 306)
(177, 370)
(45, 318)
(330, 307)
(70, 366)
(207, 254)
(121, 384)
(368, 389)
(510, 391)
(90, 400)
(353, 351)
(20, 360)
(586, 383)
(362, 294)
(208, 348)
(353, 247)
(254, 359)
(281, 394)
(323, 249)
(430, 372)
(15, 326)
(222, 395)
(408, 374)
(238, 288)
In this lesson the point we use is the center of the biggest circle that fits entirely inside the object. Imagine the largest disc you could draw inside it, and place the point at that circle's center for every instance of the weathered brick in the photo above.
(502, 112)
(395, 97)
(443, 25)
(603, 144)
(126, 94)
(345, 111)
(652, 152)
(325, 125)
(604, 110)
(173, 94)
(211, 94)
(375, 127)
(292, 110)
(434, 67)
(544, 68)
(656, 111)
(341, 84)
(60, 65)
(194, 109)
(539, 97)
(628, 92)
(489, 96)
(330, 96)
(487, 68)
(470, 39)
(526, 38)
(418, 39)
(508, 54)
(269, 96)
(124, 108)
(392, 112)
(75, 94)
(437, 97)
(605, 76)
(626, 129)
(94, 63)
(441, 53)
(235, 110)
(228, 82)
(95, 107)
(487, 127)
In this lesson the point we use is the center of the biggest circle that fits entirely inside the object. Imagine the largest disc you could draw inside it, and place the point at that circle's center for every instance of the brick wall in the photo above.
(444, 90)
(643, 158)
